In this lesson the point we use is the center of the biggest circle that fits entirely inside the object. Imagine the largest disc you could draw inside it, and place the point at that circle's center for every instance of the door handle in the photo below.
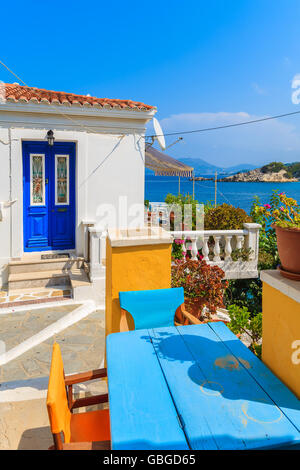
(46, 181)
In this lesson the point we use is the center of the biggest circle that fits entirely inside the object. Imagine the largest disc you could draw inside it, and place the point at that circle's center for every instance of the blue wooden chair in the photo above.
(154, 308)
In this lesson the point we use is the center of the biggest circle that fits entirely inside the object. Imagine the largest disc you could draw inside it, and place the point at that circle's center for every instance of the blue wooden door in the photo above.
(49, 196)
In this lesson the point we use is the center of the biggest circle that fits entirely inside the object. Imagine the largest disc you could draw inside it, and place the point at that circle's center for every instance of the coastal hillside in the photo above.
(201, 167)
(275, 172)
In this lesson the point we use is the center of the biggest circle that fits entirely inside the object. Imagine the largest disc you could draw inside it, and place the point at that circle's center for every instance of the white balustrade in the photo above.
(217, 246)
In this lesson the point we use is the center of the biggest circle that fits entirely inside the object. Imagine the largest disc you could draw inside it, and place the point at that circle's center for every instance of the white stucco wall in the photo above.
(5, 232)
(109, 165)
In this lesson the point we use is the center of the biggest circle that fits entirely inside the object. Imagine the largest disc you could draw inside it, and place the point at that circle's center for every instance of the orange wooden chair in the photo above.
(90, 430)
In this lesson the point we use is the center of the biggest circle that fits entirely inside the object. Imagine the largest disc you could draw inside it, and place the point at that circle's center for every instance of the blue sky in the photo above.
(201, 63)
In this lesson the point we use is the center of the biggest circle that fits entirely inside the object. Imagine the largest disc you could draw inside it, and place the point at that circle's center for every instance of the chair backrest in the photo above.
(152, 308)
(57, 403)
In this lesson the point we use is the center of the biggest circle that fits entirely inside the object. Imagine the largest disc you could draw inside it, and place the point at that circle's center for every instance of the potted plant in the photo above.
(204, 286)
(285, 220)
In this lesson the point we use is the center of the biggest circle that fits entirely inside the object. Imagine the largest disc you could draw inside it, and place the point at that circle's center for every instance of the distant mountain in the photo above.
(241, 167)
(201, 167)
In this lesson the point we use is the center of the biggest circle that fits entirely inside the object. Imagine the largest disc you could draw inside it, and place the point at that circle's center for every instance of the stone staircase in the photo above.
(32, 273)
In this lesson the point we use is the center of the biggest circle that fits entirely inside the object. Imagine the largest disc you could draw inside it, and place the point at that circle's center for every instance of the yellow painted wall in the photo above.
(134, 268)
(281, 327)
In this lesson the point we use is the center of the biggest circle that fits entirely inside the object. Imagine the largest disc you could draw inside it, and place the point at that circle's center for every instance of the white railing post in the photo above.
(228, 247)
(252, 239)
(239, 241)
(96, 257)
(194, 250)
(217, 250)
(205, 248)
(86, 242)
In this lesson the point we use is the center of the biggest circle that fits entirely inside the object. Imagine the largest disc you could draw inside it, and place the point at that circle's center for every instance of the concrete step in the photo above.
(38, 279)
(28, 265)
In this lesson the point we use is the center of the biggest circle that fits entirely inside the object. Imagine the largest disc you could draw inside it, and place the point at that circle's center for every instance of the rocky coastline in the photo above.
(258, 176)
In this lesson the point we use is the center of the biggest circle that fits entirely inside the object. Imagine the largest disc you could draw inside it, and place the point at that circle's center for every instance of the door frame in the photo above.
(72, 189)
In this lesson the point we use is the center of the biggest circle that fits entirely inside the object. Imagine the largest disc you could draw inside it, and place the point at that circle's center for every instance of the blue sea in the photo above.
(237, 194)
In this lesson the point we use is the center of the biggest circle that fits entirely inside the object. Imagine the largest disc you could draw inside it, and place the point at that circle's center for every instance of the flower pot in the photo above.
(194, 307)
(288, 244)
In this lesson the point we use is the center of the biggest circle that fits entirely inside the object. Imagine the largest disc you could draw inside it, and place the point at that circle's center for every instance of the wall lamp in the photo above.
(50, 138)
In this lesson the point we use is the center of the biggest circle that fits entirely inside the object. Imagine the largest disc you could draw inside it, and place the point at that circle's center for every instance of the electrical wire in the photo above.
(226, 126)
(12, 72)
(205, 129)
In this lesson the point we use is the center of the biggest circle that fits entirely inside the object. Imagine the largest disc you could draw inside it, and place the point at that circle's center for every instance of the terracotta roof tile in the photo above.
(24, 94)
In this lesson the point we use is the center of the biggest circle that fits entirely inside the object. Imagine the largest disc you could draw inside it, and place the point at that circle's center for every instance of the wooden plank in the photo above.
(142, 413)
(85, 376)
(176, 360)
(277, 391)
(216, 403)
(259, 422)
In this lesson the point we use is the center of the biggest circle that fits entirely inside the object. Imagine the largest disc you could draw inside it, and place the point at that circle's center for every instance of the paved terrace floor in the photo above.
(24, 424)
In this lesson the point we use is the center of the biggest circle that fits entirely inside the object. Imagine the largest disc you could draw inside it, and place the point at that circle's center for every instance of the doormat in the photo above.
(55, 256)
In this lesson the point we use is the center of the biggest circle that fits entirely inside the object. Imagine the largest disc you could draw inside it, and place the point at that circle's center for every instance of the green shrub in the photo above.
(266, 261)
(245, 293)
(267, 235)
(177, 251)
(273, 167)
(239, 318)
(240, 323)
(225, 217)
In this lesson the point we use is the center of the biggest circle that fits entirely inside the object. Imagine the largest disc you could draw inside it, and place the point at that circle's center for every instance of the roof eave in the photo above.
(39, 108)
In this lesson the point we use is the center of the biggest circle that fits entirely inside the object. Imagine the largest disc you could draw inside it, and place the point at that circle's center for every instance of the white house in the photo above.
(53, 183)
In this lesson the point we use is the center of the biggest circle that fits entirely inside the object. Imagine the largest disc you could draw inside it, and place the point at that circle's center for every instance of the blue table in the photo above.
(195, 387)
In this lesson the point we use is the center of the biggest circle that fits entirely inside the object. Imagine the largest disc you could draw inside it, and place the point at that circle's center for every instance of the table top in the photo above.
(195, 387)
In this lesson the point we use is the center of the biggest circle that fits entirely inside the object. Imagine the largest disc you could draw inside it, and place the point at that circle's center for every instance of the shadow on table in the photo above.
(215, 369)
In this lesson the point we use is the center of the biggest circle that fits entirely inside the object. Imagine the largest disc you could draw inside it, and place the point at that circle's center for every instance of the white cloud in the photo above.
(296, 84)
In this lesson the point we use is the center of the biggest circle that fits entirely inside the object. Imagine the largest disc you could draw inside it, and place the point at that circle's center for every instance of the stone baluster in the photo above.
(205, 249)
(194, 249)
(239, 242)
(228, 248)
(184, 250)
(217, 250)
(96, 268)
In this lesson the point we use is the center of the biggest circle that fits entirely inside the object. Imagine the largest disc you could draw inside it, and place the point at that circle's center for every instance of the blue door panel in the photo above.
(48, 226)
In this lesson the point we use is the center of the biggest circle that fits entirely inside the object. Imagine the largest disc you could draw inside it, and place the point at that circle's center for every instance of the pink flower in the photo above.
(282, 209)
(267, 206)
(201, 257)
